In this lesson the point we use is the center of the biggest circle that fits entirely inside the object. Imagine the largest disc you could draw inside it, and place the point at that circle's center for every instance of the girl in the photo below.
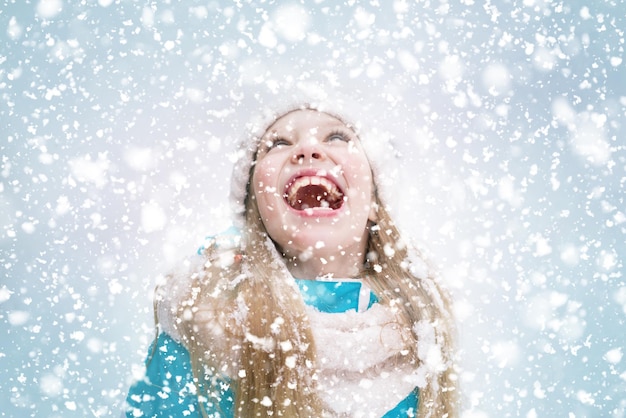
(314, 306)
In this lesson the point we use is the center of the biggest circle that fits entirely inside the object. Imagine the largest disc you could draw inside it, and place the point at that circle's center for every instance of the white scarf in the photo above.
(361, 358)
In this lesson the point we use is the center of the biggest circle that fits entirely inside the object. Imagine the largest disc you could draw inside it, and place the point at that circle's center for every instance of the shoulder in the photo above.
(166, 389)
(175, 286)
(230, 239)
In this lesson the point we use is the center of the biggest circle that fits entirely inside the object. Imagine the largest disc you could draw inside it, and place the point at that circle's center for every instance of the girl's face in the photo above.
(313, 185)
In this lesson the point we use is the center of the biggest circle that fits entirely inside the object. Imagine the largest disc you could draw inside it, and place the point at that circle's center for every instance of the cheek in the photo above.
(362, 189)
(264, 179)
(360, 174)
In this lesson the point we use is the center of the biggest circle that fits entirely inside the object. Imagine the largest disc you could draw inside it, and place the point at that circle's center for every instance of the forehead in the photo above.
(303, 119)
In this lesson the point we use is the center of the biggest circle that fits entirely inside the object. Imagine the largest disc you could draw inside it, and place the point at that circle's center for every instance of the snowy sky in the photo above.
(119, 119)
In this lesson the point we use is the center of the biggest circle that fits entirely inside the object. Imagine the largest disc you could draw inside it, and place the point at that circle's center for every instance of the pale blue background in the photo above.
(118, 117)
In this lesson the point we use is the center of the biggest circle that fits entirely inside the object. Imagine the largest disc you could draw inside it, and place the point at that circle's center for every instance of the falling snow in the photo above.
(119, 127)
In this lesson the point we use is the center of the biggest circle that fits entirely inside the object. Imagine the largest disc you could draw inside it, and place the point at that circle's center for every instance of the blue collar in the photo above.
(334, 296)
(330, 296)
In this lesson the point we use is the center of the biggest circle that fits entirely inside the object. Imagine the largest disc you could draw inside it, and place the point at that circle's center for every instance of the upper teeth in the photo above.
(331, 188)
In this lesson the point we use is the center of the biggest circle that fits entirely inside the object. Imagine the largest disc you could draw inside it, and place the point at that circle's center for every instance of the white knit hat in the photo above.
(376, 143)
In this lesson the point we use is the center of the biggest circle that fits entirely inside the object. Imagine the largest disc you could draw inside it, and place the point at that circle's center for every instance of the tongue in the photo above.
(314, 196)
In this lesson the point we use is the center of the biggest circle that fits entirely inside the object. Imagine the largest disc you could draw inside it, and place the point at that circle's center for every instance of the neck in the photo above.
(314, 264)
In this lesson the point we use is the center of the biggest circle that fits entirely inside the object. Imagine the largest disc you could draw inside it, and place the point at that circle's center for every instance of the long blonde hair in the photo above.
(244, 321)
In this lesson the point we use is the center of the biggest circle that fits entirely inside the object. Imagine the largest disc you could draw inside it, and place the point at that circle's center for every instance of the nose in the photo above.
(307, 151)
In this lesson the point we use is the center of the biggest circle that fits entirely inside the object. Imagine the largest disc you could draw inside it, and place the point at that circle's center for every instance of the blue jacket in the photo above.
(167, 388)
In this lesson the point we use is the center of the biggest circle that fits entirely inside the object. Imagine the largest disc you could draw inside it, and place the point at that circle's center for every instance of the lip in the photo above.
(314, 212)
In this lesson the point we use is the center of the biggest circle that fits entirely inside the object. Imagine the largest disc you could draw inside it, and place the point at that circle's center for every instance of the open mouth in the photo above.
(309, 192)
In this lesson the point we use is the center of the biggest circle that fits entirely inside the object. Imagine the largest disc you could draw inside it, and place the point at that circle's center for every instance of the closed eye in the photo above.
(277, 143)
(338, 136)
